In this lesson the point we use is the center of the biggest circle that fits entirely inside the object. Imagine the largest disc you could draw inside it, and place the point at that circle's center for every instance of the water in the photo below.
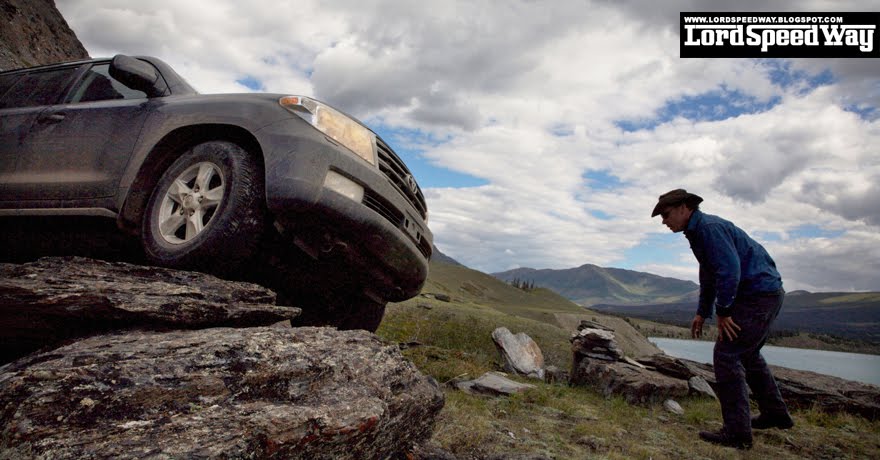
(850, 366)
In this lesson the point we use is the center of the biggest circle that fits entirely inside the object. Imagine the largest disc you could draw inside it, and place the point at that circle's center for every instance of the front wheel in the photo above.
(207, 210)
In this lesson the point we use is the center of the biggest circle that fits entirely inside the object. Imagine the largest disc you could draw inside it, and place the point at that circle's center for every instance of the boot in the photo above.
(724, 438)
(764, 421)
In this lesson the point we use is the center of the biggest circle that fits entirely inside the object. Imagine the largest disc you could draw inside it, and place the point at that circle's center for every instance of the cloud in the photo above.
(546, 105)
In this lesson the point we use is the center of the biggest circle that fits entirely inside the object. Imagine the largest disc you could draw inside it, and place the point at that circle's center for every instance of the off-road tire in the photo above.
(233, 229)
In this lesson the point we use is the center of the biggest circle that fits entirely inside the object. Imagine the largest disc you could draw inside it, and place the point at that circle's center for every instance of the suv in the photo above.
(210, 182)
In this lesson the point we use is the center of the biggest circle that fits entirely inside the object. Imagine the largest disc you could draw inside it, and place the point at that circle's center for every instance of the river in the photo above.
(850, 366)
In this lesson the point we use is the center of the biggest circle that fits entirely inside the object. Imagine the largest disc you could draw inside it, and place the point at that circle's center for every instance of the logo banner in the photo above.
(779, 35)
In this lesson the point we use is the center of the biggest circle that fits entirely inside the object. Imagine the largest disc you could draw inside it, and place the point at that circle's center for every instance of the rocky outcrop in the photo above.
(229, 393)
(596, 344)
(54, 300)
(35, 33)
(144, 371)
(519, 353)
(636, 385)
(599, 363)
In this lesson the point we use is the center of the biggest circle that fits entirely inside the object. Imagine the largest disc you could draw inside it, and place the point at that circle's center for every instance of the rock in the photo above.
(521, 355)
(596, 362)
(635, 363)
(699, 386)
(587, 324)
(636, 385)
(430, 452)
(668, 365)
(595, 343)
(805, 389)
(516, 456)
(492, 383)
(437, 296)
(34, 33)
(673, 407)
(553, 374)
(594, 443)
(50, 301)
(629, 339)
(263, 392)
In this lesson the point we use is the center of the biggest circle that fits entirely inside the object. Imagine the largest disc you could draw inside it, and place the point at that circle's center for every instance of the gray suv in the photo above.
(208, 182)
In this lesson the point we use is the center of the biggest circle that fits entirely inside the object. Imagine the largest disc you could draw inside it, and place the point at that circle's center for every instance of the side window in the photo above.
(6, 82)
(37, 88)
(98, 85)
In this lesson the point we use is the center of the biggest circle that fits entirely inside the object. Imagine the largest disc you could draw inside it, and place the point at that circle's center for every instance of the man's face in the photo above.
(676, 217)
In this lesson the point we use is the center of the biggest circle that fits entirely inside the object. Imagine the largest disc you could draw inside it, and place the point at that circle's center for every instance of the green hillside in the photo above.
(447, 331)
(470, 286)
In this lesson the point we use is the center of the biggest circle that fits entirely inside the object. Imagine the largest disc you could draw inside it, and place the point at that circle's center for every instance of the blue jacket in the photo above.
(731, 264)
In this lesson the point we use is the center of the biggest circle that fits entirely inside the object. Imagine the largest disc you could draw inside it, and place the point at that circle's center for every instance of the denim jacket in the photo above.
(731, 264)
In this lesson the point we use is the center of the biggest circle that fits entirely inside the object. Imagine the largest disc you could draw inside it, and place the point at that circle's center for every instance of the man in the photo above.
(738, 279)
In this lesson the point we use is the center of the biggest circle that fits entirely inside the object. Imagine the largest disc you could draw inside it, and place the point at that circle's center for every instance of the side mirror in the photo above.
(139, 75)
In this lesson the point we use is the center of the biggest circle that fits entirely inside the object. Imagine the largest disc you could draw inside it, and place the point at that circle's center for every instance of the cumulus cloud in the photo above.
(575, 117)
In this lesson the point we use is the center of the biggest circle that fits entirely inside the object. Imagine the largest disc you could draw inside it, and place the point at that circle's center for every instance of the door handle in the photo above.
(53, 118)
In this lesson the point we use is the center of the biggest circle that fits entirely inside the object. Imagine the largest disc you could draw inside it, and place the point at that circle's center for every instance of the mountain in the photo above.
(590, 285)
(667, 300)
(443, 258)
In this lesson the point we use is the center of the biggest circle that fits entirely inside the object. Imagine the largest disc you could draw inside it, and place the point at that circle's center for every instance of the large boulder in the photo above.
(521, 355)
(302, 393)
(53, 300)
(598, 362)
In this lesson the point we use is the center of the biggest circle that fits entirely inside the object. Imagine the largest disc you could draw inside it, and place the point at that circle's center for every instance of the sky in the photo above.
(542, 133)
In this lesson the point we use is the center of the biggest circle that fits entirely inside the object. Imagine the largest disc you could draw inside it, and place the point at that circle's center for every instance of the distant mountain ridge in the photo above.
(852, 315)
(438, 256)
(591, 285)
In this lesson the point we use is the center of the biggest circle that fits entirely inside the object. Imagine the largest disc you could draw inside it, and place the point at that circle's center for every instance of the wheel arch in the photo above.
(166, 151)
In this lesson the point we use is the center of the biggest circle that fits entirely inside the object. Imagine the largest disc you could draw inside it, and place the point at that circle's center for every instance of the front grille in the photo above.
(401, 178)
(389, 212)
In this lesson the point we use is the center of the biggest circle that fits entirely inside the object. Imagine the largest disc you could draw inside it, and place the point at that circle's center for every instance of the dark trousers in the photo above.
(740, 366)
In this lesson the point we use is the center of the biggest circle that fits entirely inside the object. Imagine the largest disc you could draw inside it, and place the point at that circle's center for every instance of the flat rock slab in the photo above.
(302, 393)
(50, 301)
(494, 384)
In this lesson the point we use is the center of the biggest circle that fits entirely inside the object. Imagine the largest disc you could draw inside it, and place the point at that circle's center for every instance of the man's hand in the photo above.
(727, 328)
(697, 327)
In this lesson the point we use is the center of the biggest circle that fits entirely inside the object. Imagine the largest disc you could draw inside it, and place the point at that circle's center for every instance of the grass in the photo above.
(453, 339)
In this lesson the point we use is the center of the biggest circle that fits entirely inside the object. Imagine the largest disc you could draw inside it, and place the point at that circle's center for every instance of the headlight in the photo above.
(335, 125)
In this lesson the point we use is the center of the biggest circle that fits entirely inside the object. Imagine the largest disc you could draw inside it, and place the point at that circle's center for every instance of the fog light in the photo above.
(344, 186)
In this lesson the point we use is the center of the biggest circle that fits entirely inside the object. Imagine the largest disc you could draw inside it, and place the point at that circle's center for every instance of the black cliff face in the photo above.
(33, 32)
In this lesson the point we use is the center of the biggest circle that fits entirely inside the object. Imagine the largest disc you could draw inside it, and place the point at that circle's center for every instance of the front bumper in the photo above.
(382, 239)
